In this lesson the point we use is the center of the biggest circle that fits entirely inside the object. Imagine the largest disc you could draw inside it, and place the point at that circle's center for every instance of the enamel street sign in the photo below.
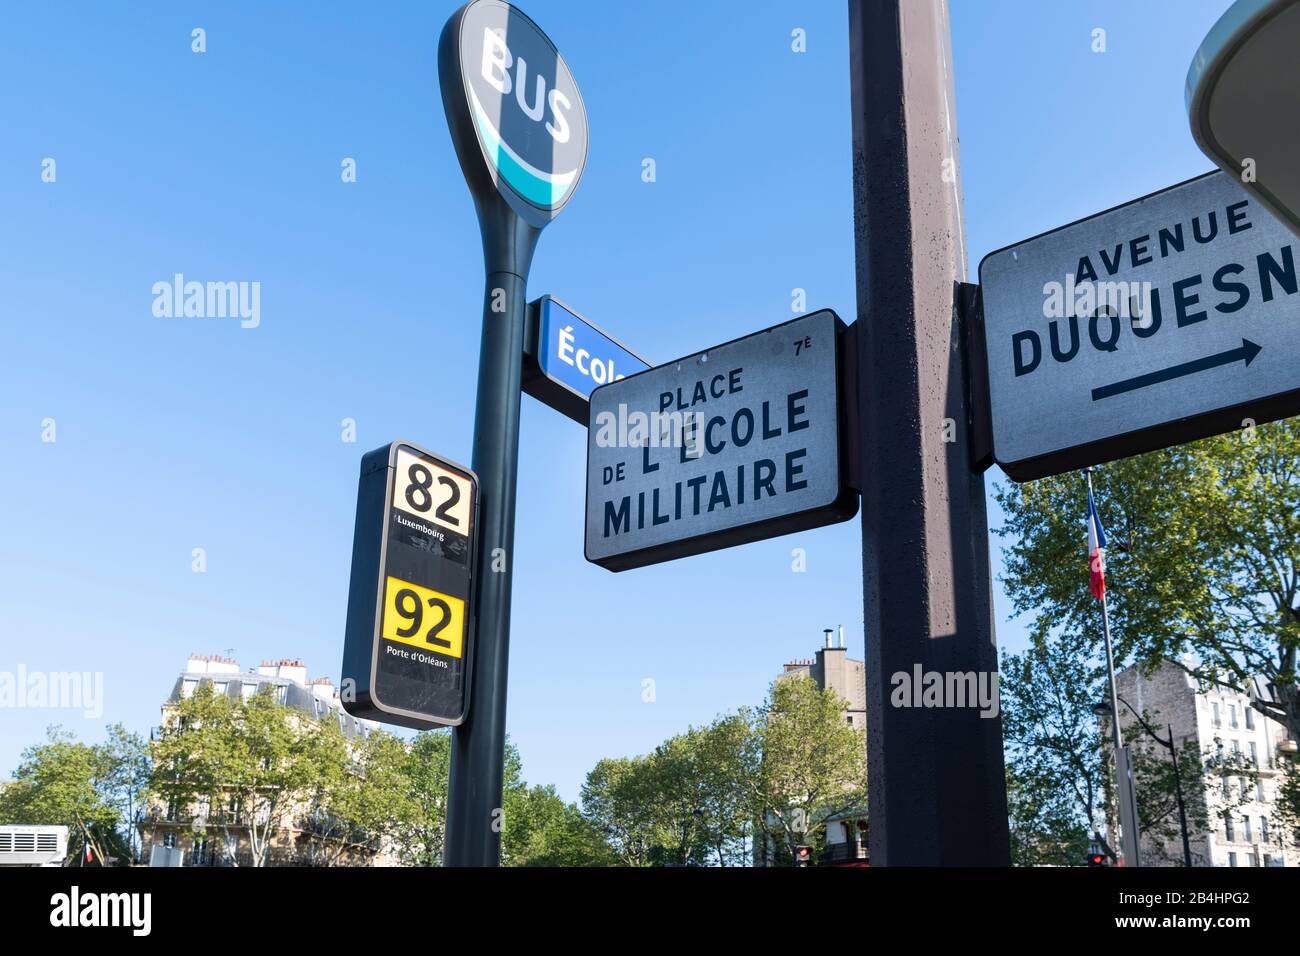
(517, 117)
(1170, 318)
(567, 357)
(407, 650)
(735, 444)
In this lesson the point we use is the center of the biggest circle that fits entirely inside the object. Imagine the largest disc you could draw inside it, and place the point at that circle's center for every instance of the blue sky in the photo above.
(175, 434)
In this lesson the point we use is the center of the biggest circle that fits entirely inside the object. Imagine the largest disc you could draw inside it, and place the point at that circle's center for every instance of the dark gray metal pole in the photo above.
(514, 203)
(937, 791)
(1182, 810)
(474, 812)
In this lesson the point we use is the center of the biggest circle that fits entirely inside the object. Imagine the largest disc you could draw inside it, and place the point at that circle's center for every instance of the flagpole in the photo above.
(1128, 842)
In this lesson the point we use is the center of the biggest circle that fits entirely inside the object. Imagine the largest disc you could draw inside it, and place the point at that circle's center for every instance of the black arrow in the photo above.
(1247, 352)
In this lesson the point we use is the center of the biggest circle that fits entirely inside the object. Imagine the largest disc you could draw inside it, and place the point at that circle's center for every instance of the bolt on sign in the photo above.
(1170, 318)
(734, 444)
(566, 358)
(407, 648)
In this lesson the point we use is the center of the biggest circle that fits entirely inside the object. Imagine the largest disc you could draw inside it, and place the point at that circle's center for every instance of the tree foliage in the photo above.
(241, 766)
(1203, 572)
(1055, 776)
(702, 797)
(1203, 565)
(93, 789)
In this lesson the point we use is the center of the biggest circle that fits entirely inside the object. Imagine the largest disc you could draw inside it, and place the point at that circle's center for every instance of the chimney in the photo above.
(827, 632)
(842, 644)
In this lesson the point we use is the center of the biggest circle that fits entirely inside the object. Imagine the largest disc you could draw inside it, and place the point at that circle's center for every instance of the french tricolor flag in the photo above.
(1096, 551)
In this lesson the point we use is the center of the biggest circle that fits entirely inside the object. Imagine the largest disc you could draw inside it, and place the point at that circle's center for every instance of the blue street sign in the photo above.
(568, 357)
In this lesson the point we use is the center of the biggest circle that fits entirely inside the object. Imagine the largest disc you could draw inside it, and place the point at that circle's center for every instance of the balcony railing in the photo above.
(837, 853)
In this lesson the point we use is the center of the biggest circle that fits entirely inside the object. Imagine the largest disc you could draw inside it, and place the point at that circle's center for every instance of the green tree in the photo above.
(363, 795)
(1046, 827)
(1288, 801)
(807, 763)
(726, 818)
(1203, 566)
(62, 782)
(615, 801)
(249, 765)
(1059, 764)
(1054, 753)
(543, 830)
(127, 780)
(420, 836)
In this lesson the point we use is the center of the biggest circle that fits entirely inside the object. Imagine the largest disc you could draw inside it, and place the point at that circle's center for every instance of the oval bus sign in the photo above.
(516, 115)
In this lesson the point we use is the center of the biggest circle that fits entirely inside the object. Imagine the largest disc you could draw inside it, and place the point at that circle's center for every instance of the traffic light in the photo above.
(803, 856)
(1096, 852)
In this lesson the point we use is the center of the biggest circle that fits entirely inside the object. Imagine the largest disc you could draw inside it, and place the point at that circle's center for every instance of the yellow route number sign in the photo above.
(409, 643)
(423, 618)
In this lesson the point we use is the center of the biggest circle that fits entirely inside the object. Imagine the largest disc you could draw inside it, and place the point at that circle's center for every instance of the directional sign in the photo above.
(734, 444)
(406, 654)
(1170, 318)
(567, 357)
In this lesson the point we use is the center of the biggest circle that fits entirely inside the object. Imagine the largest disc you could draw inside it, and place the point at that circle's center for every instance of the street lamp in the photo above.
(1102, 709)
(1242, 95)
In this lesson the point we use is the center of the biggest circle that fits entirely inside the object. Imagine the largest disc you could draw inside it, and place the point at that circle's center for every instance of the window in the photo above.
(1268, 860)
(1228, 830)
(280, 693)
(187, 688)
(1215, 707)
(1232, 716)
(1250, 718)
(1259, 790)
(219, 688)
(1263, 829)
(1232, 859)
(1245, 829)
(247, 690)
(1242, 781)
(169, 840)
(1254, 755)
(1227, 792)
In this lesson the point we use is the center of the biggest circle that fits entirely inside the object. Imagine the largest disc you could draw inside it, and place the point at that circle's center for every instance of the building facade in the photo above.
(845, 840)
(832, 667)
(1239, 807)
(218, 836)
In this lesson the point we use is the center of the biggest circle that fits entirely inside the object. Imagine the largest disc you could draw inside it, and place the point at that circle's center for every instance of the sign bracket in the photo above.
(850, 437)
(979, 421)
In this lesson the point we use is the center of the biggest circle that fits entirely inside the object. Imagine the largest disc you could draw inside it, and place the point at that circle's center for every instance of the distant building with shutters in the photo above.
(217, 836)
(1222, 721)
